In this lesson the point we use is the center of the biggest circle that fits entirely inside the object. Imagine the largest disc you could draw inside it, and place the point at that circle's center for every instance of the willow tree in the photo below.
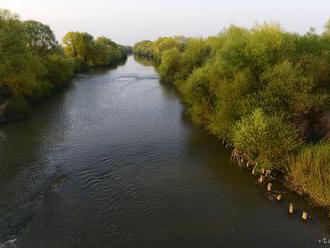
(78, 45)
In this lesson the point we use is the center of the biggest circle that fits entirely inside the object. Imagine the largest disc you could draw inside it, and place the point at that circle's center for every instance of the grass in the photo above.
(310, 173)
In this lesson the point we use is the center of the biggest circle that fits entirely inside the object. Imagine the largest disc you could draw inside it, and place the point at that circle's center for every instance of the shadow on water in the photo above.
(28, 135)
(144, 61)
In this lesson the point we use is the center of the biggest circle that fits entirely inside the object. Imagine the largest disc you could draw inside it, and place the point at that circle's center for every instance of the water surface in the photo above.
(113, 162)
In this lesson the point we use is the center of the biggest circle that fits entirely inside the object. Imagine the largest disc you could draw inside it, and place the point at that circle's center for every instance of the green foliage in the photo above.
(269, 138)
(171, 60)
(234, 99)
(59, 69)
(88, 52)
(144, 49)
(20, 69)
(310, 172)
(166, 43)
(288, 90)
(78, 45)
(40, 37)
(264, 47)
(232, 53)
(195, 54)
(198, 96)
(258, 88)
(33, 64)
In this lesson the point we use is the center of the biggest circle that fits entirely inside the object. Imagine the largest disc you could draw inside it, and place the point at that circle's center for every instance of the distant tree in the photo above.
(78, 45)
(105, 41)
(144, 48)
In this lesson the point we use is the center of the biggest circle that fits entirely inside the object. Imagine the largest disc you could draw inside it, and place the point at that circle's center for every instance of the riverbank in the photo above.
(312, 191)
(23, 110)
(261, 92)
(34, 65)
(113, 156)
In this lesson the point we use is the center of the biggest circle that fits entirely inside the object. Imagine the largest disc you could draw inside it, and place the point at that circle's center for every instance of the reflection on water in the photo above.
(113, 162)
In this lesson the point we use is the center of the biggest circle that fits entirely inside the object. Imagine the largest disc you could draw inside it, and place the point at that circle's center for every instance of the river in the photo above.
(114, 162)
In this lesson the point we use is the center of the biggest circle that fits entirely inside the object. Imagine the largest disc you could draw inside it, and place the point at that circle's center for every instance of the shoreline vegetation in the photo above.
(263, 91)
(34, 65)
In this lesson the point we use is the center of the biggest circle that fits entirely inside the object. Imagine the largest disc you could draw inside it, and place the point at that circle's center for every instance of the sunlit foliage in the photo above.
(264, 90)
(310, 172)
(89, 52)
(33, 64)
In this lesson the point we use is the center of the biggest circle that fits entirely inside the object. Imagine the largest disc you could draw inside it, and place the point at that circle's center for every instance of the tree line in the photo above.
(263, 90)
(33, 64)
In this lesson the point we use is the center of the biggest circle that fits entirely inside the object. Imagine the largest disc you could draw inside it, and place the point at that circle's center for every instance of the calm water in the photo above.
(113, 162)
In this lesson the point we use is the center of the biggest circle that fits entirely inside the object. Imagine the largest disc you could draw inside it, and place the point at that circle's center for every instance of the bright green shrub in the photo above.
(170, 64)
(269, 138)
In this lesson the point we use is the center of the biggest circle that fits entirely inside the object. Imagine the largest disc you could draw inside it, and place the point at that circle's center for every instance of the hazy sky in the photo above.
(129, 21)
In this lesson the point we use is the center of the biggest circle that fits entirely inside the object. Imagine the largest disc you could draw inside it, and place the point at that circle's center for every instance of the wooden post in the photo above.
(253, 171)
(279, 197)
(304, 215)
(291, 208)
(269, 187)
(261, 179)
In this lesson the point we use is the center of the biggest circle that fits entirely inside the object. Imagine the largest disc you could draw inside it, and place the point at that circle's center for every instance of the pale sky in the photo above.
(129, 21)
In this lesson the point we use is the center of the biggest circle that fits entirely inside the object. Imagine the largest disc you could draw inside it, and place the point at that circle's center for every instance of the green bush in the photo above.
(195, 91)
(59, 69)
(310, 172)
(170, 64)
(269, 138)
(288, 90)
(264, 89)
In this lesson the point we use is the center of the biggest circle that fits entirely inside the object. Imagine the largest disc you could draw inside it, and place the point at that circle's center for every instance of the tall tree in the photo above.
(40, 37)
(78, 45)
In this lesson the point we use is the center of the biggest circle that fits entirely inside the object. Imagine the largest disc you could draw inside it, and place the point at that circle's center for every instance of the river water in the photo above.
(113, 162)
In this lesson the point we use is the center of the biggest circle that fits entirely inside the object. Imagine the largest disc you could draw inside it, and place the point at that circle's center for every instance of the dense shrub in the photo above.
(59, 69)
(268, 138)
(171, 60)
(310, 172)
(262, 89)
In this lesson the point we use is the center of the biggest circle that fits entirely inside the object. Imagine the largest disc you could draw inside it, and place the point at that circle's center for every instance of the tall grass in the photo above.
(310, 173)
